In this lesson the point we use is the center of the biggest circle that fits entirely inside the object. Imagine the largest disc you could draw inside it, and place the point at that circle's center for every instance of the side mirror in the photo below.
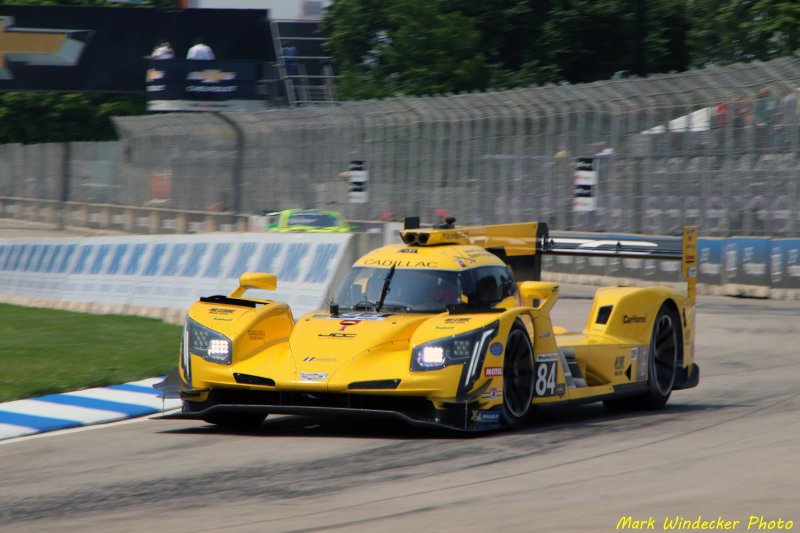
(255, 280)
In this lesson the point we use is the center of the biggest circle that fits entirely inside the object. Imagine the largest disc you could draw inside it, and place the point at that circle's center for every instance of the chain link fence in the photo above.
(716, 147)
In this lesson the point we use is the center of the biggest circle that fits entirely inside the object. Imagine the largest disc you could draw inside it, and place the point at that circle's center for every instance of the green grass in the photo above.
(47, 351)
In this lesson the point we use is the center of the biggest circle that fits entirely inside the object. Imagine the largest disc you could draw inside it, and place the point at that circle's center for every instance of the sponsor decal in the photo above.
(337, 335)
(464, 262)
(222, 319)
(256, 334)
(449, 235)
(400, 264)
(320, 359)
(641, 364)
(492, 394)
(354, 316)
(619, 365)
(345, 323)
(493, 371)
(456, 320)
(313, 376)
(633, 319)
(486, 416)
(544, 335)
(210, 89)
(561, 389)
(444, 327)
(546, 357)
(496, 348)
(218, 311)
(408, 251)
(634, 353)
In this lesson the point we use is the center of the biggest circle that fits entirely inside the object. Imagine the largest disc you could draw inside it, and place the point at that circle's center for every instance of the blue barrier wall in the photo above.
(170, 271)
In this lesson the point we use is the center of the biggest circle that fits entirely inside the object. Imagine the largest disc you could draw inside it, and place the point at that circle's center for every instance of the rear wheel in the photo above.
(518, 380)
(666, 345)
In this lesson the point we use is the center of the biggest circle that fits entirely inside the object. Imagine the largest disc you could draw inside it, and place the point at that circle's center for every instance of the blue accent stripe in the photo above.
(135, 388)
(96, 403)
(42, 423)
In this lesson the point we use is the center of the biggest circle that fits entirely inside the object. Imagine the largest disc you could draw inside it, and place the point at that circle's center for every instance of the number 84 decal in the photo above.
(544, 370)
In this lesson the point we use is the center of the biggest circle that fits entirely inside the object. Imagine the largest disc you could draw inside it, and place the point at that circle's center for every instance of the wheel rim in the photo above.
(665, 356)
(518, 374)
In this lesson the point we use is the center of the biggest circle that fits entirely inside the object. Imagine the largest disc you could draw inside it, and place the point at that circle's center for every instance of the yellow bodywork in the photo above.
(350, 358)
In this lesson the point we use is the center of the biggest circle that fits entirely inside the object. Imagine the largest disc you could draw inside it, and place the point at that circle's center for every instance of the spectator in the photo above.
(289, 54)
(163, 50)
(200, 50)
(789, 106)
(719, 116)
(766, 108)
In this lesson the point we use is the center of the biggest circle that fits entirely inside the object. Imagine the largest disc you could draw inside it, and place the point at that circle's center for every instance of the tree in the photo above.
(728, 31)
(392, 46)
(51, 117)
(408, 47)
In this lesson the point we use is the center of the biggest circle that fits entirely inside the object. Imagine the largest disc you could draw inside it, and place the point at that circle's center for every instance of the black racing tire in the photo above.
(666, 349)
(518, 377)
(236, 420)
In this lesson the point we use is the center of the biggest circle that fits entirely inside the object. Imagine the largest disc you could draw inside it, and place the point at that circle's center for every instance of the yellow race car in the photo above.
(437, 330)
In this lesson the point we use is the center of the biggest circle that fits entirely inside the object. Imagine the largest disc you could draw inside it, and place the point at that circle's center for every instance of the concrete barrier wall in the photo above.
(161, 276)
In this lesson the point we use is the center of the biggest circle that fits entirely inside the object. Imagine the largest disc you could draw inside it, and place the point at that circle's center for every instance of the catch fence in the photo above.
(716, 147)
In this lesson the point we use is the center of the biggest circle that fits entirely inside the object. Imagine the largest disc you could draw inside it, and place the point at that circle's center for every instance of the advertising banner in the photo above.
(784, 263)
(746, 261)
(105, 49)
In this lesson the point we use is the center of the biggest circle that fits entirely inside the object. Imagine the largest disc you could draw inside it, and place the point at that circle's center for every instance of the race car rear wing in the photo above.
(521, 245)
(683, 249)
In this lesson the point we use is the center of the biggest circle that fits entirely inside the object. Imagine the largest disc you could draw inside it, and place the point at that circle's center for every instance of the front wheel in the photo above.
(518, 380)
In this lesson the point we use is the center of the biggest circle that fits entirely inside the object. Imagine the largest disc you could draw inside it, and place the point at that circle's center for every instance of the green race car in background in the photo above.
(306, 220)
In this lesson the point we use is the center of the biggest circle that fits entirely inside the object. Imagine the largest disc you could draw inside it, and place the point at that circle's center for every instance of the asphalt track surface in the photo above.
(724, 452)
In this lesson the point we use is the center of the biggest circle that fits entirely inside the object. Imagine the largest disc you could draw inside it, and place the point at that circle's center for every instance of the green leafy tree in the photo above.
(729, 31)
(395, 46)
(55, 117)
(409, 47)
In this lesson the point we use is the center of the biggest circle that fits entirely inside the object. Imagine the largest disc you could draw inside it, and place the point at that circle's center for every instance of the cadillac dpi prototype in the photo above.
(437, 330)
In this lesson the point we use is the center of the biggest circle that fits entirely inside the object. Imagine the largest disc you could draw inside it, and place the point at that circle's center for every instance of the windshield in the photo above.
(317, 220)
(423, 291)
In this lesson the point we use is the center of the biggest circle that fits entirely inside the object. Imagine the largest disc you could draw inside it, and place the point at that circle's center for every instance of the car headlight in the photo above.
(467, 347)
(208, 344)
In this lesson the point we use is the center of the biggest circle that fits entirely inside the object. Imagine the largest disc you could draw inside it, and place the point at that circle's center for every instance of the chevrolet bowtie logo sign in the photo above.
(211, 75)
(37, 46)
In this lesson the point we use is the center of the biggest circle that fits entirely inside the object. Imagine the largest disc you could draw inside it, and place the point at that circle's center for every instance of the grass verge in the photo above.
(47, 351)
